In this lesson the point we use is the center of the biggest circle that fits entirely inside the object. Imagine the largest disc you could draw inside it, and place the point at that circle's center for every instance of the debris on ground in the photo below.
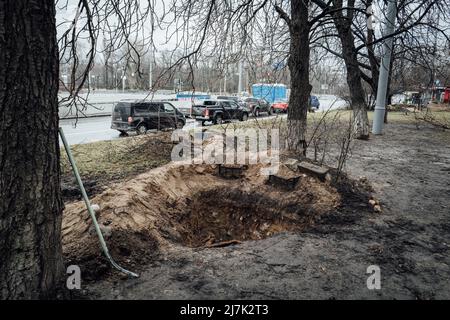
(375, 204)
(223, 244)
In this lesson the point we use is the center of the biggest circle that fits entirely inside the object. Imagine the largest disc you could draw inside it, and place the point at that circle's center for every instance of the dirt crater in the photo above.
(189, 206)
(218, 215)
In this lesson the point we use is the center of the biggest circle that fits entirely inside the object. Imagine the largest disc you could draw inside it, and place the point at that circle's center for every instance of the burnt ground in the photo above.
(409, 240)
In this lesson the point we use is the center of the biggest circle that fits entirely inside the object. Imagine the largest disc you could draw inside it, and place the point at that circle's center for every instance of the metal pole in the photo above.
(116, 77)
(240, 89)
(380, 106)
(88, 205)
(123, 80)
(225, 84)
(150, 72)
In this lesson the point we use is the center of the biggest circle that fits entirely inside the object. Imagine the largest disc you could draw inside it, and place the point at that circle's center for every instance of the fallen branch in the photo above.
(224, 244)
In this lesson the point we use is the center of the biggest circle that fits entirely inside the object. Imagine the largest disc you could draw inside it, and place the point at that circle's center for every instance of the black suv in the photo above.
(219, 111)
(238, 100)
(143, 116)
(257, 106)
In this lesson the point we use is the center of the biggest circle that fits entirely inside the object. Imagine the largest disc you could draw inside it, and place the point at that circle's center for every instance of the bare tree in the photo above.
(359, 47)
(229, 31)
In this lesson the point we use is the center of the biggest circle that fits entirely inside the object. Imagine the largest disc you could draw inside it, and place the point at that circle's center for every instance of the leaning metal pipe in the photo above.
(88, 205)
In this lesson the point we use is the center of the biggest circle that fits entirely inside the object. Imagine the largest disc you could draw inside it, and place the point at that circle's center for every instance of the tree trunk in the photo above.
(373, 61)
(31, 265)
(106, 80)
(299, 69)
(354, 80)
(358, 102)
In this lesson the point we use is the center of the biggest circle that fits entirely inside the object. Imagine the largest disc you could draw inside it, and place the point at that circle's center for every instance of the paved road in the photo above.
(88, 130)
(98, 128)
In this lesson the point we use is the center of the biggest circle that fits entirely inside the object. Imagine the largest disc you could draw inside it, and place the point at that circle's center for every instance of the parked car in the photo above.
(143, 116)
(219, 111)
(232, 98)
(236, 99)
(280, 106)
(257, 106)
(314, 103)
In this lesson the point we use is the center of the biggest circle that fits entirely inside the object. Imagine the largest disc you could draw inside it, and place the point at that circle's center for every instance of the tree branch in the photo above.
(283, 15)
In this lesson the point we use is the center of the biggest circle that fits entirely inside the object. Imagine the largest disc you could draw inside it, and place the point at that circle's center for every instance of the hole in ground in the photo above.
(219, 215)
(196, 208)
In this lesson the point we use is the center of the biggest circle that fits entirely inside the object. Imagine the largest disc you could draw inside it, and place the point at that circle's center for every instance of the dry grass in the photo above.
(344, 115)
(105, 162)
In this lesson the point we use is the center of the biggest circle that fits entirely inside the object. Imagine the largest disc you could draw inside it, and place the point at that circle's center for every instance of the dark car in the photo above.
(219, 111)
(236, 99)
(143, 116)
(257, 106)
(232, 98)
(282, 106)
(314, 103)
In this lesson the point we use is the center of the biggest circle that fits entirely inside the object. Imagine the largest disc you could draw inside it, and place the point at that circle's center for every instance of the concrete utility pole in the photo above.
(380, 106)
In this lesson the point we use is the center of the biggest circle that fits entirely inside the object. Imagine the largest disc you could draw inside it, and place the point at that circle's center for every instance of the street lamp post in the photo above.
(116, 77)
(240, 89)
(93, 82)
(150, 72)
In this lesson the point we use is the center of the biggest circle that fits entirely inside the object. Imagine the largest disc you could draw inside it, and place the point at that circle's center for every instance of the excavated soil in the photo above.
(189, 206)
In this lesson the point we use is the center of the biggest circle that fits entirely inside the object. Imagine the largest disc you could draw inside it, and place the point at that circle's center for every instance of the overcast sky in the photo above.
(65, 16)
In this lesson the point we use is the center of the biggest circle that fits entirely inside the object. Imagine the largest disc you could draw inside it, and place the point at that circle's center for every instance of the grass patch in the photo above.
(105, 162)
(344, 115)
